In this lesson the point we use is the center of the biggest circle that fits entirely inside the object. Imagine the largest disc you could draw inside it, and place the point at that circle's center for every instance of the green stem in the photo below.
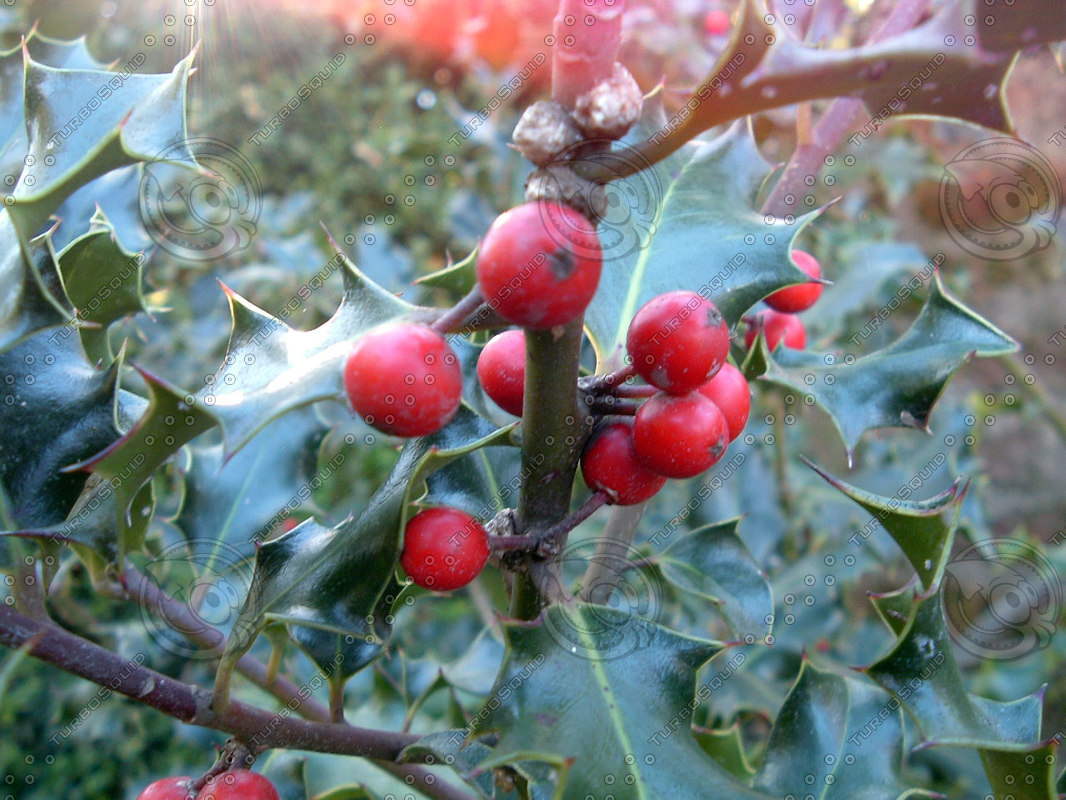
(336, 697)
(553, 430)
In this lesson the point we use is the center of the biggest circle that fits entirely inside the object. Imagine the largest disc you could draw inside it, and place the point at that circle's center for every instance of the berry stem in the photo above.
(608, 383)
(587, 34)
(606, 406)
(452, 319)
(558, 532)
(634, 390)
(553, 431)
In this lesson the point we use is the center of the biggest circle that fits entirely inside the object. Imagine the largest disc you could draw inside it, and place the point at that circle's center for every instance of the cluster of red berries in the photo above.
(538, 267)
(779, 323)
(678, 343)
(238, 784)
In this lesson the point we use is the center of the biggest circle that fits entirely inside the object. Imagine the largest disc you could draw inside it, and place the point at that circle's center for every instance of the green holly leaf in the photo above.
(170, 421)
(917, 526)
(271, 368)
(727, 748)
(57, 53)
(330, 586)
(28, 303)
(837, 736)
(137, 117)
(102, 281)
(605, 697)
(690, 223)
(235, 500)
(933, 69)
(712, 562)
(452, 748)
(459, 277)
(55, 410)
(94, 529)
(899, 385)
(921, 671)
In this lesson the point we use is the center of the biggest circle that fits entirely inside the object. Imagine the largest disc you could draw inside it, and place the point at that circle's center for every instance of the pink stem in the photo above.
(587, 36)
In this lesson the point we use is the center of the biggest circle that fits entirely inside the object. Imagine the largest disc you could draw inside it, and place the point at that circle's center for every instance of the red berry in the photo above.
(404, 379)
(167, 789)
(501, 368)
(679, 436)
(677, 341)
(716, 22)
(444, 548)
(609, 464)
(539, 264)
(729, 391)
(238, 784)
(777, 327)
(801, 297)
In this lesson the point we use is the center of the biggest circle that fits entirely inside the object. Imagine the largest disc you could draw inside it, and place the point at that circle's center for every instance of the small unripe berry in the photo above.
(404, 379)
(444, 548)
(677, 341)
(501, 370)
(238, 784)
(729, 391)
(716, 22)
(794, 299)
(777, 327)
(610, 464)
(167, 789)
(539, 265)
(679, 436)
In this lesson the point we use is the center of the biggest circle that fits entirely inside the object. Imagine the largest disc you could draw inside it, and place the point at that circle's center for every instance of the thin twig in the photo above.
(454, 318)
(612, 549)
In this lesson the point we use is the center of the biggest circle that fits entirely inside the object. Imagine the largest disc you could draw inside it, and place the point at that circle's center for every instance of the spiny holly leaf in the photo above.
(922, 673)
(459, 277)
(327, 584)
(606, 697)
(95, 530)
(170, 421)
(103, 282)
(55, 410)
(843, 732)
(727, 748)
(898, 385)
(690, 224)
(918, 526)
(930, 70)
(137, 117)
(1029, 775)
(235, 500)
(54, 52)
(453, 749)
(713, 563)
(270, 368)
(28, 302)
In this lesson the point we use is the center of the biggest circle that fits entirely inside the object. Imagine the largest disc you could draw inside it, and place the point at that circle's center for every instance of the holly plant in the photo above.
(547, 531)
